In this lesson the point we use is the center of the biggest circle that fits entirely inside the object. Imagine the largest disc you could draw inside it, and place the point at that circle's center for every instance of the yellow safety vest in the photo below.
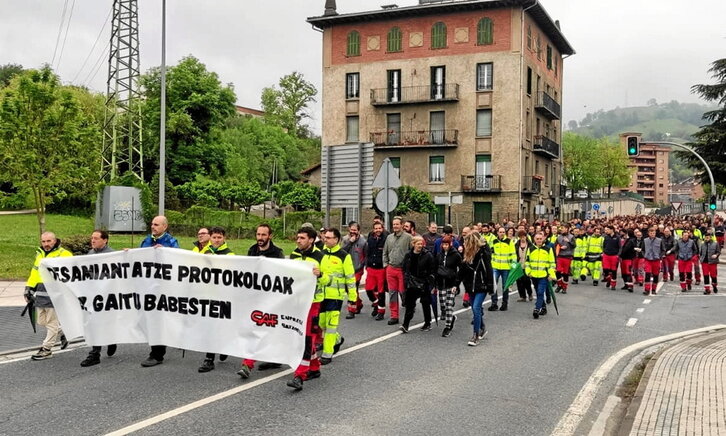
(503, 254)
(541, 262)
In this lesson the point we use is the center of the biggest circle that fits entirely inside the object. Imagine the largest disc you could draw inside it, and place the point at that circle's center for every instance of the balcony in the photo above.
(531, 185)
(547, 106)
(415, 94)
(546, 147)
(415, 138)
(486, 183)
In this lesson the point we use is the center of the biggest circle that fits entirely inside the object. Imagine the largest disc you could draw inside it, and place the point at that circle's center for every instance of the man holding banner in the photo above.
(158, 238)
(35, 291)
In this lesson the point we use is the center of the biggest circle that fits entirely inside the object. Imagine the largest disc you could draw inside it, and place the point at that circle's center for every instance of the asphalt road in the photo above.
(519, 381)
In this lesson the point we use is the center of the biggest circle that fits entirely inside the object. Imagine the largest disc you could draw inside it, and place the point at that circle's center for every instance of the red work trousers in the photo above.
(310, 361)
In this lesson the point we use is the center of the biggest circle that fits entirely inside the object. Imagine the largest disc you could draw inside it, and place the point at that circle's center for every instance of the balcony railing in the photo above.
(531, 185)
(414, 138)
(485, 183)
(415, 94)
(546, 146)
(548, 106)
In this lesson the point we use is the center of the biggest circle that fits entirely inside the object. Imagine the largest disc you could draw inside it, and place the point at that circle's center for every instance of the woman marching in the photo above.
(478, 278)
(448, 262)
(418, 272)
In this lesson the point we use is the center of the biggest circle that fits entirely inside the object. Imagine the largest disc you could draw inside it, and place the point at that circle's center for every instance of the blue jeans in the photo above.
(504, 274)
(540, 286)
(477, 301)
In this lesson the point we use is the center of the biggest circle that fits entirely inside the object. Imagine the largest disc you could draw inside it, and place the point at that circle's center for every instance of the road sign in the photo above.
(381, 203)
(676, 205)
(387, 171)
(595, 206)
(444, 199)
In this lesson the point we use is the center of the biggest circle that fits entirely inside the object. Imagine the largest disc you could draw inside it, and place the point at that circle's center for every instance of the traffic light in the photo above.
(633, 146)
(712, 204)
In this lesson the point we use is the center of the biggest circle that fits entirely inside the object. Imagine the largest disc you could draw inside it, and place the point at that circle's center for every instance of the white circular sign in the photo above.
(381, 200)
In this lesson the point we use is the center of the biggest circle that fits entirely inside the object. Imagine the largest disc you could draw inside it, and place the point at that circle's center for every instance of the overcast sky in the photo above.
(628, 51)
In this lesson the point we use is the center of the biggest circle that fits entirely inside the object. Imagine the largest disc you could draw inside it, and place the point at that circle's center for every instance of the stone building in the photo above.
(462, 96)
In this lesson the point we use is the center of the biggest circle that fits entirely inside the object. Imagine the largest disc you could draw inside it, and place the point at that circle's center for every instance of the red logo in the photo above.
(267, 319)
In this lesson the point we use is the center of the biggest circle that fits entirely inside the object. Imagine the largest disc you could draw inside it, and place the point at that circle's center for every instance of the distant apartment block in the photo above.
(650, 178)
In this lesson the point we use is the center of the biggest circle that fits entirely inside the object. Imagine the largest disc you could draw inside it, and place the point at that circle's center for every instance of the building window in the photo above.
(394, 86)
(353, 44)
(484, 80)
(351, 134)
(437, 127)
(549, 57)
(438, 35)
(393, 127)
(529, 81)
(484, 122)
(547, 175)
(483, 172)
(529, 37)
(352, 86)
(394, 40)
(439, 216)
(396, 163)
(485, 32)
(436, 169)
(557, 61)
(539, 48)
(438, 83)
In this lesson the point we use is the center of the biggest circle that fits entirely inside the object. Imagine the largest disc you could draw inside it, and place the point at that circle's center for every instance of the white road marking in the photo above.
(216, 397)
(646, 301)
(631, 322)
(577, 410)
(640, 310)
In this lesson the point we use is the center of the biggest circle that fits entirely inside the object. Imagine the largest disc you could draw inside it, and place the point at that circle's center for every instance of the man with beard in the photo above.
(355, 245)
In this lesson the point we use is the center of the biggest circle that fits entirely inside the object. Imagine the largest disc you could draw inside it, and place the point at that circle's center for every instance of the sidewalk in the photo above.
(683, 390)
(17, 334)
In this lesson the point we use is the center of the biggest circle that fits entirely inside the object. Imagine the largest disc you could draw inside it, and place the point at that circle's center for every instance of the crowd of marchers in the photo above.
(402, 268)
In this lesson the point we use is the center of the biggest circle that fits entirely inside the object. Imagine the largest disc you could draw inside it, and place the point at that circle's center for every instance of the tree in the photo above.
(710, 140)
(572, 125)
(47, 146)
(580, 164)
(411, 199)
(613, 166)
(7, 72)
(301, 196)
(246, 195)
(197, 103)
(288, 105)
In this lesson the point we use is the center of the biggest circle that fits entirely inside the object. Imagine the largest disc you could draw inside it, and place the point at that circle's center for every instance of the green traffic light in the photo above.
(631, 150)
(712, 206)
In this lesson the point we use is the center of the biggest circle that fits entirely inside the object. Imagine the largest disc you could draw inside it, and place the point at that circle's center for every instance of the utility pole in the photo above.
(122, 149)
(162, 121)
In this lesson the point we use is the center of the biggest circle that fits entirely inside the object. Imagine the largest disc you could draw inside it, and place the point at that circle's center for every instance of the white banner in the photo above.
(250, 307)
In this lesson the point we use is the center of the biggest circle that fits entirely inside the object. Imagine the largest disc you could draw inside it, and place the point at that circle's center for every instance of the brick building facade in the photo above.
(462, 96)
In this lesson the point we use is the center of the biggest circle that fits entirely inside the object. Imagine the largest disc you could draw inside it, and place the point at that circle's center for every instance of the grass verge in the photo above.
(627, 390)
(20, 237)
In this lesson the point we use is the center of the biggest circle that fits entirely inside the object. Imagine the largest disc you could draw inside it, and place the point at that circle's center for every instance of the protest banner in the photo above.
(251, 307)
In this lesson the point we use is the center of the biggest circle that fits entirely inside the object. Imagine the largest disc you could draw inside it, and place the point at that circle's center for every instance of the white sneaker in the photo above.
(482, 333)
(474, 341)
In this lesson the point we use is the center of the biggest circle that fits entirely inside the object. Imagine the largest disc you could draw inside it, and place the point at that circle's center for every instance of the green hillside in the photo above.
(673, 122)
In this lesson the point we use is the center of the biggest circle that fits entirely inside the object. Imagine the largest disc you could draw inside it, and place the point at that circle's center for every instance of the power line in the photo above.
(96, 65)
(98, 38)
(60, 30)
(68, 26)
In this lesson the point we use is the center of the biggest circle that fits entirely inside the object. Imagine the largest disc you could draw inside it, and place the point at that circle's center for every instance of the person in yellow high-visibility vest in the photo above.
(593, 257)
(50, 247)
(338, 266)
(540, 268)
(503, 254)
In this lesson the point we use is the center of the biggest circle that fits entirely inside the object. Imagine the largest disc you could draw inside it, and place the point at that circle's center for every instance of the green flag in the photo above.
(515, 273)
(552, 295)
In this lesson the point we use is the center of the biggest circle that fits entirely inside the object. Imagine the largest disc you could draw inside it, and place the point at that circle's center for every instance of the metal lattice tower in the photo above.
(122, 149)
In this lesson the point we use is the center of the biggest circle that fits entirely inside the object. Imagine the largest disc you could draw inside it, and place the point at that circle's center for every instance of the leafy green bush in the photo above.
(77, 244)
(14, 201)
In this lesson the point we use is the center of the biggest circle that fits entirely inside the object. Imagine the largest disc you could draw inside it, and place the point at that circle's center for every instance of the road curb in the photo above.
(12, 354)
(573, 417)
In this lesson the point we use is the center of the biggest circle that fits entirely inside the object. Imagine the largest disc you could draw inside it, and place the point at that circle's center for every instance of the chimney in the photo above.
(330, 8)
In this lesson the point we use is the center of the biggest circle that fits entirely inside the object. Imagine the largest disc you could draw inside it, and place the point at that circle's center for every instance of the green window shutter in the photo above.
(395, 162)
(483, 157)
(353, 44)
(485, 32)
(394, 40)
(438, 35)
(436, 159)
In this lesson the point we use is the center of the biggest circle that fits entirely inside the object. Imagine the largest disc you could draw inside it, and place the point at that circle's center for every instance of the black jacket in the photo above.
(628, 250)
(447, 269)
(418, 270)
(374, 250)
(273, 251)
(478, 276)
